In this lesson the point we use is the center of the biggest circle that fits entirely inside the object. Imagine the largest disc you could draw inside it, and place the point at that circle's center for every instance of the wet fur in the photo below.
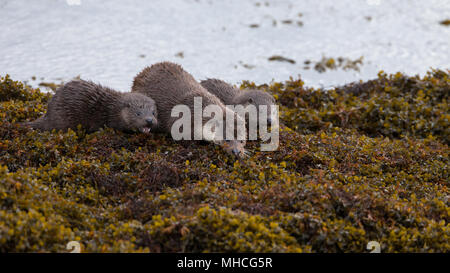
(93, 106)
(230, 95)
(170, 85)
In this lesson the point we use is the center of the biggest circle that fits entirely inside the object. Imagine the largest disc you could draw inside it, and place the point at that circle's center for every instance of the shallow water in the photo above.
(110, 41)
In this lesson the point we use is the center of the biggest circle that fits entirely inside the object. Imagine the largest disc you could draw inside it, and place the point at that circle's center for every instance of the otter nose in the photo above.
(149, 121)
(236, 151)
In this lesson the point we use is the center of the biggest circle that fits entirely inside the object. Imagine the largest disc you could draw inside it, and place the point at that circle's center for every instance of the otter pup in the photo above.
(94, 106)
(230, 95)
(170, 85)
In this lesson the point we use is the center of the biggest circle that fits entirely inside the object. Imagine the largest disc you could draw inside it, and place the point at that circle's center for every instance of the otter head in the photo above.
(257, 98)
(138, 113)
(235, 145)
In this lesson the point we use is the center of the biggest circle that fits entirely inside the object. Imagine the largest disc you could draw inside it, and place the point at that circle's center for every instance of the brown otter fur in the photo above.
(230, 95)
(94, 106)
(170, 85)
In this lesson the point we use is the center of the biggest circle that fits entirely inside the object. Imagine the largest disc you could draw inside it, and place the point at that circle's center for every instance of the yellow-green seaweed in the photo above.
(364, 162)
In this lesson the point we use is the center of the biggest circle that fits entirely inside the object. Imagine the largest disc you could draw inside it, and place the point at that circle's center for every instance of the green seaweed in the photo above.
(364, 162)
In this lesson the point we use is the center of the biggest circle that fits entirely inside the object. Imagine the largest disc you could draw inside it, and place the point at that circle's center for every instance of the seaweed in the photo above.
(445, 22)
(361, 162)
(330, 63)
(281, 59)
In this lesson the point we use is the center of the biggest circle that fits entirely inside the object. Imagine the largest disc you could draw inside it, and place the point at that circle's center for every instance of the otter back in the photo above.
(169, 85)
(224, 91)
(90, 105)
(233, 96)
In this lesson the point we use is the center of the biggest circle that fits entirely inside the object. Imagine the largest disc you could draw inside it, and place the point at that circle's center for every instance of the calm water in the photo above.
(110, 41)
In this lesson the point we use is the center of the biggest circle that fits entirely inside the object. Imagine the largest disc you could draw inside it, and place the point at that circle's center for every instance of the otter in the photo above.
(93, 106)
(170, 85)
(230, 95)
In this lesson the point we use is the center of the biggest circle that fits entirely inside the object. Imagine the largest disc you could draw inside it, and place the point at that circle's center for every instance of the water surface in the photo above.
(109, 41)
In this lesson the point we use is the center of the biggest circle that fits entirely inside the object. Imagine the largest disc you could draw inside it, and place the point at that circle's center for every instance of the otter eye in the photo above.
(138, 114)
(250, 100)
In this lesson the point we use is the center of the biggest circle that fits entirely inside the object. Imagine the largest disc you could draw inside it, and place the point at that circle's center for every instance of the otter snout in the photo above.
(234, 147)
(150, 121)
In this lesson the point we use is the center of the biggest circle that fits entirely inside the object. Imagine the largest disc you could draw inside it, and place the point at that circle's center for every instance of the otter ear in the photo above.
(127, 105)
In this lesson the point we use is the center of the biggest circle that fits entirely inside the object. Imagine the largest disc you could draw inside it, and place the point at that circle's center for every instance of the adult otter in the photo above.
(170, 85)
(230, 95)
(94, 106)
